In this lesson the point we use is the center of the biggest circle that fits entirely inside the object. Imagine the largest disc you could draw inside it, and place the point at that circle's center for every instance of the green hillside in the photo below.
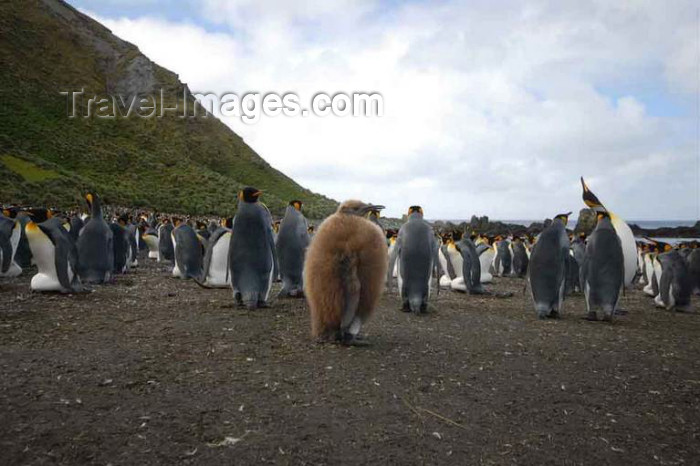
(172, 164)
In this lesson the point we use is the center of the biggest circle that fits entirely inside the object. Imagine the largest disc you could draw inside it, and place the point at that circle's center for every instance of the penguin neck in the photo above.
(96, 209)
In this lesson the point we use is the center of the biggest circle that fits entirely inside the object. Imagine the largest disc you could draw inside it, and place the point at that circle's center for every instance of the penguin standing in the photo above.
(547, 271)
(215, 273)
(252, 255)
(95, 245)
(345, 272)
(166, 251)
(10, 234)
(76, 224)
(652, 286)
(603, 270)
(56, 257)
(694, 269)
(520, 259)
(416, 250)
(486, 255)
(292, 241)
(120, 248)
(187, 252)
(502, 261)
(133, 235)
(624, 232)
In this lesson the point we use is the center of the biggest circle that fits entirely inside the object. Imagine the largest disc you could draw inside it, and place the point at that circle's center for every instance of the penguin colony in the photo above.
(344, 265)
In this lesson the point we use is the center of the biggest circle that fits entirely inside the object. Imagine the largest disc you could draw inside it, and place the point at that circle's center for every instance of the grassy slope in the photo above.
(170, 164)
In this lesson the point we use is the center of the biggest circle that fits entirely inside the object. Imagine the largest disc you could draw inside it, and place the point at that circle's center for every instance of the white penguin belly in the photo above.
(218, 266)
(629, 247)
(455, 259)
(176, 269)
(152, 244)
(45, 257)
(485, 261)
(649, 271)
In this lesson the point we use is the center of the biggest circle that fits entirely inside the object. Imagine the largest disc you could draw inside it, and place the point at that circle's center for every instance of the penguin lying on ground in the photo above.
(150, 238)
(675, 284)
(56, 257)
(345, 272)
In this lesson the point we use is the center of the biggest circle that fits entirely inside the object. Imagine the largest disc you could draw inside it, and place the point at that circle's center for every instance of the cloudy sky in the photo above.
(492, 108)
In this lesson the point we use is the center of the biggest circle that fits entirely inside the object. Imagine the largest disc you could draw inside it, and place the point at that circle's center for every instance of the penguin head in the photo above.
(563, 217)
(355, 207)
(415, 209)
(590, 199)
(276, 226)
(296, 204)
(249, 194)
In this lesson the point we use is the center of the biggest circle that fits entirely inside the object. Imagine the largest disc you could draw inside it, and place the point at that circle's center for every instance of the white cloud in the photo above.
(487, 111)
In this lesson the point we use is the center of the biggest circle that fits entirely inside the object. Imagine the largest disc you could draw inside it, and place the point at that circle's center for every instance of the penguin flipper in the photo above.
(63, 262)
(6, 255)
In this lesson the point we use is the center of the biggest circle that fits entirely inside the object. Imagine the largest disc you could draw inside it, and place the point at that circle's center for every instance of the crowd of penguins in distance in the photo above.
(344, 266)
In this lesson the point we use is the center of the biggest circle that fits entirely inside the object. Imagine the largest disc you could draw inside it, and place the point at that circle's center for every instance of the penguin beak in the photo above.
(590, 199)
(367, 208)
(257, 193)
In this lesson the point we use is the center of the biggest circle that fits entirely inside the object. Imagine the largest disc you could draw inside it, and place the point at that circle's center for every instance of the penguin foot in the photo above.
(591, 317)
(620, 312)
(553, 315)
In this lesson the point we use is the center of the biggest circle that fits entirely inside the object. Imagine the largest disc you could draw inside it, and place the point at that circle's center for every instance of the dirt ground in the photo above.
(154, 370)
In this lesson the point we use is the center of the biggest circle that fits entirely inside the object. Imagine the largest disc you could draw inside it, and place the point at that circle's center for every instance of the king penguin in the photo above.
(56, 257)
(215, 273)
(150, 238)
(252, 255)
(292, 240)
(166, 251)
(95, 245)
(120, 243)
(503, 260)
(345, 272)
(547, 271)
(624, 232)
(187, 252)
(520, 259)
(10, 234)
(471, 268)
(417, 253)
(694, 269)
(675, 285)
(603, 270)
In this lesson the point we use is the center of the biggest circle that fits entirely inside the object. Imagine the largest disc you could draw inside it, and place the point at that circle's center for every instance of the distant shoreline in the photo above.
(645, 224)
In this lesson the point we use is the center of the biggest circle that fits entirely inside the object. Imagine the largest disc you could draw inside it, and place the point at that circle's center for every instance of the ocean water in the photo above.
(646, 224)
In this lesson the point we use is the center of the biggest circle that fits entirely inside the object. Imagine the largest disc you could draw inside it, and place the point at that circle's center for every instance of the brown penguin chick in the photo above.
(345, 272)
